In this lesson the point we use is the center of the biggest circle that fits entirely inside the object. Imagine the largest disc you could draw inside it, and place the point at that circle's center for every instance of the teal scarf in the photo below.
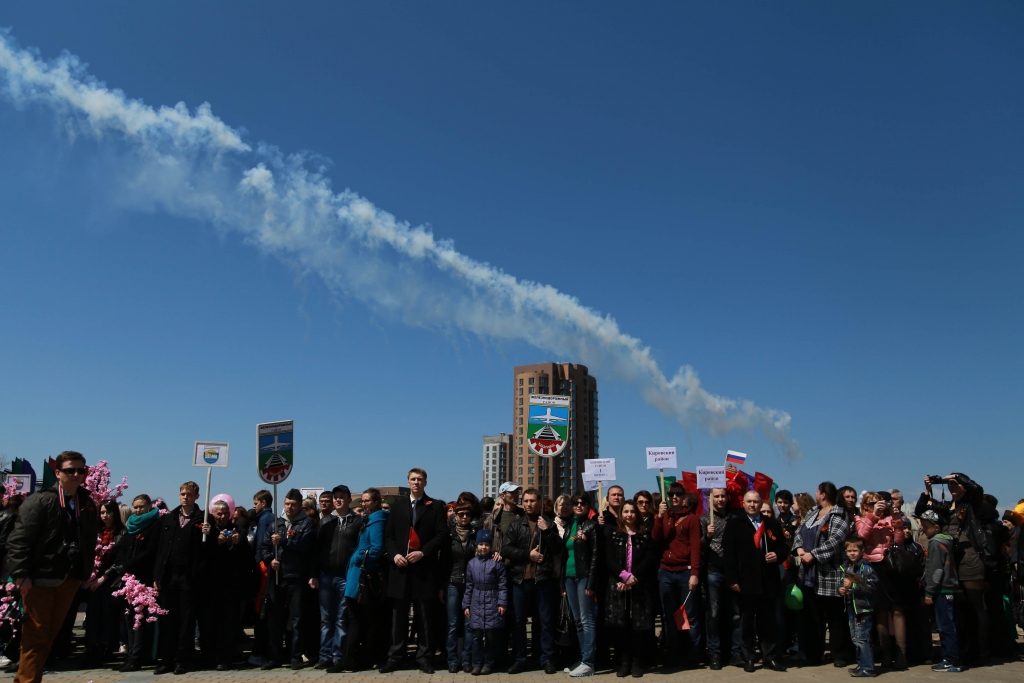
(138, 524)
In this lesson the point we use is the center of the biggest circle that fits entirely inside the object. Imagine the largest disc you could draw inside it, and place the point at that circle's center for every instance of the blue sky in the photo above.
(818, 208)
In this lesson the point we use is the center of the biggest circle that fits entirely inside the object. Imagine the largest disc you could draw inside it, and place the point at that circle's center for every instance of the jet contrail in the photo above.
(193, 165)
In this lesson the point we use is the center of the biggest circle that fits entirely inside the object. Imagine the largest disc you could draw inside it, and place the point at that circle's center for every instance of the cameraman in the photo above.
(50, 553)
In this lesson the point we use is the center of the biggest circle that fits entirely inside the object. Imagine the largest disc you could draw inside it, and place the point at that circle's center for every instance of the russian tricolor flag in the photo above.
(735, 457)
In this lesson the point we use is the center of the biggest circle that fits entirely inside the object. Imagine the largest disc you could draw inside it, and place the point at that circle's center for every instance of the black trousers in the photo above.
(422, 614)
(220, 625)
(287, 600)
(366, 640)
(178, 627)
(820, 611)
(757, 613)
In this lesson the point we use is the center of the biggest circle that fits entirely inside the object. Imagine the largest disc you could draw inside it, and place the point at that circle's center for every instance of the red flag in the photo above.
(689, 482)
(682, 621)
(763, 485)
(758, 535)
(414, 540)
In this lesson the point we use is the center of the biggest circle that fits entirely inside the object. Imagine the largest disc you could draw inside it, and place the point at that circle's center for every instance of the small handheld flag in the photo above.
(735, 457)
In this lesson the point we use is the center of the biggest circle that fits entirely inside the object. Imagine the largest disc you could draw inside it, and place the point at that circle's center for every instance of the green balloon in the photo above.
(794, 599)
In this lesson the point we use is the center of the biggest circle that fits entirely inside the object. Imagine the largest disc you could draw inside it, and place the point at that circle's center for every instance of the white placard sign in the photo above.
(710, 476)
(311, 493)
(210, 454)
(590, 485)
(600, 469)
(661, 458)
(22, 483)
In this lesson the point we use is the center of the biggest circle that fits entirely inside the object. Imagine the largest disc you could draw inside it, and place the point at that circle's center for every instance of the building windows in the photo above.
(531, 481)
(531, 459)
(521, 391)
(520, 461)
(520, 400)
(531, 381)
(520, 471)
(520, 433)
(520, 420)
(531, 472)
(520, 411)
(531, 390)
(520, 381)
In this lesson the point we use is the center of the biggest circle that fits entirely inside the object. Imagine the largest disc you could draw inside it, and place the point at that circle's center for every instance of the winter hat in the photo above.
(484, 536)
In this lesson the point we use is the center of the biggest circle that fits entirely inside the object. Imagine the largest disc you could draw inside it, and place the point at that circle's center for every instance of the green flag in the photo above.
(669, 480)
(49, 476)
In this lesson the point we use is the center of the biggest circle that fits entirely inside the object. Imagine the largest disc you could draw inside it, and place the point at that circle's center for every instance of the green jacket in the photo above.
(939, 571)
(33, 548)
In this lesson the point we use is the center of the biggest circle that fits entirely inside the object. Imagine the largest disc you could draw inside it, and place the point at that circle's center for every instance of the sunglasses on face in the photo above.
(578, 503)
(72, 471)
(462, 514)
(675, 494)
(642, 502)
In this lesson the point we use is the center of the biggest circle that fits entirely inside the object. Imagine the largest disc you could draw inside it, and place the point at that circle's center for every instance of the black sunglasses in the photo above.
(577, 502)
(71, 471)
(462, 514)
(676, 494)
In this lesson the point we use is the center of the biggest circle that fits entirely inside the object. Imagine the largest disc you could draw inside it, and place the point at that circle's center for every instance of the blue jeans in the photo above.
(333, 608)
(526, 596)
(861, 626)
(459, 653)
(584, 614)
(945, 620)
(674, 588)
(722, 616)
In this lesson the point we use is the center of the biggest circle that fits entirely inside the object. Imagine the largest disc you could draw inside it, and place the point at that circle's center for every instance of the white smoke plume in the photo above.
(194, 165)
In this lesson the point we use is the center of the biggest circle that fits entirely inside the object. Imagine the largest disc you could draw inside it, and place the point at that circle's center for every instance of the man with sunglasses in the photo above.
(50, 553)
(677, 529)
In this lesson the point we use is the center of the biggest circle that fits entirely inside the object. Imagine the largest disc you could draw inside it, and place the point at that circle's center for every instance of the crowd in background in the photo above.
(523, 582)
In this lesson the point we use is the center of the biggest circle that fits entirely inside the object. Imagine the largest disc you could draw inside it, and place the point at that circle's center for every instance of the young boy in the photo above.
(859, 581)
(940, 585)
(484, 602)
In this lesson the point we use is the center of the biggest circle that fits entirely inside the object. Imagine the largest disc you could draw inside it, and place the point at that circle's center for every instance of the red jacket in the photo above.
(679, 535)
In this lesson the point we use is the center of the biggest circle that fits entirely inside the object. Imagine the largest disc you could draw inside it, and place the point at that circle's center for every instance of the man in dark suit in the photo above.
(177, 574)
(753, 548)
(415, 533)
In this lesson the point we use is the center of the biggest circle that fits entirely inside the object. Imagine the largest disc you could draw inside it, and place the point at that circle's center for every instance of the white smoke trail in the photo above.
(194, 165)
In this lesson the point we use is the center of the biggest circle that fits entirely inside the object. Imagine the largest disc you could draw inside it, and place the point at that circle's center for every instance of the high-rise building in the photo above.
(562, 473)
(496, 450)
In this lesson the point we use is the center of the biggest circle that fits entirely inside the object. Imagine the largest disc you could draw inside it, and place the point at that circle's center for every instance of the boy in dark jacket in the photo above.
(288, 551)
(177, 576)
(940, 586)
(858, 589)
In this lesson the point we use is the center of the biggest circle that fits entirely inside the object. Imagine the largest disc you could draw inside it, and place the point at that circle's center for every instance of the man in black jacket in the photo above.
(177, 575)
(416, 530)
(336, 540)
(288, 551)
(49, 554)
(529, 550)
(753, 548)
(135, 554)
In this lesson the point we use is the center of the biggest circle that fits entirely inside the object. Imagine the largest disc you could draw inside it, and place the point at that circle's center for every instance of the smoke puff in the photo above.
(192, 164)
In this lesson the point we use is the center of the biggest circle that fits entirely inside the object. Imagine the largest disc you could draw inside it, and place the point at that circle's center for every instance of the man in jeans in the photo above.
(677, 529)
(288, 551)
(336, 540)
(50, 553)
(722, 629)
(529, 548)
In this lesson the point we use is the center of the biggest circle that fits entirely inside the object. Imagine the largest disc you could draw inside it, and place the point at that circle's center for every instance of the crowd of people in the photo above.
(626, 584)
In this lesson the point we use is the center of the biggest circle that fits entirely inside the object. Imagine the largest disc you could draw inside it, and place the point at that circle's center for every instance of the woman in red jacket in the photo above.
(880, 530)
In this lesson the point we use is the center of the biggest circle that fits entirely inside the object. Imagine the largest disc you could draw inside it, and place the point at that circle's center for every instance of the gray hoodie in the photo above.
(939, 570)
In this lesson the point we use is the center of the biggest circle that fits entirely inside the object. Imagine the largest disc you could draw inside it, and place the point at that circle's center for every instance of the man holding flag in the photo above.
(413, 536)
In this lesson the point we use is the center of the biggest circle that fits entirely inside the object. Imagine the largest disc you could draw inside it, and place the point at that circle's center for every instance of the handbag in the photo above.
(369, 584)
(902, 563)
(565, 625)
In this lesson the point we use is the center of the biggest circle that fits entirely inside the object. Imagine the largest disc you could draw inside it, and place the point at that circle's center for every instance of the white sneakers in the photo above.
(583, 669)
(4, 661)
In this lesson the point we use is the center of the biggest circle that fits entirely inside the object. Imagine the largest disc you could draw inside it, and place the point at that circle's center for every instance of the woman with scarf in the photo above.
(102, 617)
(631, 605)
(456, 556)
(134, 553)
(579, 566)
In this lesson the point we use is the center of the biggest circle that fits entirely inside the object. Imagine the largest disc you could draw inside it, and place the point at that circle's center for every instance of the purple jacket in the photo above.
(486, 590)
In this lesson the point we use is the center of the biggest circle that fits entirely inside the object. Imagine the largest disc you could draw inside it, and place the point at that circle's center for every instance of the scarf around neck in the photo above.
(138, 524)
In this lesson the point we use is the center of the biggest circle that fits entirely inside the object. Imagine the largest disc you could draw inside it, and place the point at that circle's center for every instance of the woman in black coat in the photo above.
(630, 608)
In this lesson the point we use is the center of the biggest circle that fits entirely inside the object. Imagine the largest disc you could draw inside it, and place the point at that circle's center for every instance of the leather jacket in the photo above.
(585, 553)
(517, 545)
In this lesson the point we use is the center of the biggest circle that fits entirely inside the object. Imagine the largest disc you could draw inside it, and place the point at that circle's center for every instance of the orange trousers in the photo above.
(45, 611)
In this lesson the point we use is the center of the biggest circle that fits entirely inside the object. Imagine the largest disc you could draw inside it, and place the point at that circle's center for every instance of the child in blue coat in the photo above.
(485, 601)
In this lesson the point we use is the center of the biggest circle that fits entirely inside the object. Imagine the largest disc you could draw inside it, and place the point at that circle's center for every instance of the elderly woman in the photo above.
(228, 568)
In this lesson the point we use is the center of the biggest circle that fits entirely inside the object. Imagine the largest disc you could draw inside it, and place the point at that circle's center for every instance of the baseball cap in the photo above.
(930, 516)
(341, 490)
(508, 487)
